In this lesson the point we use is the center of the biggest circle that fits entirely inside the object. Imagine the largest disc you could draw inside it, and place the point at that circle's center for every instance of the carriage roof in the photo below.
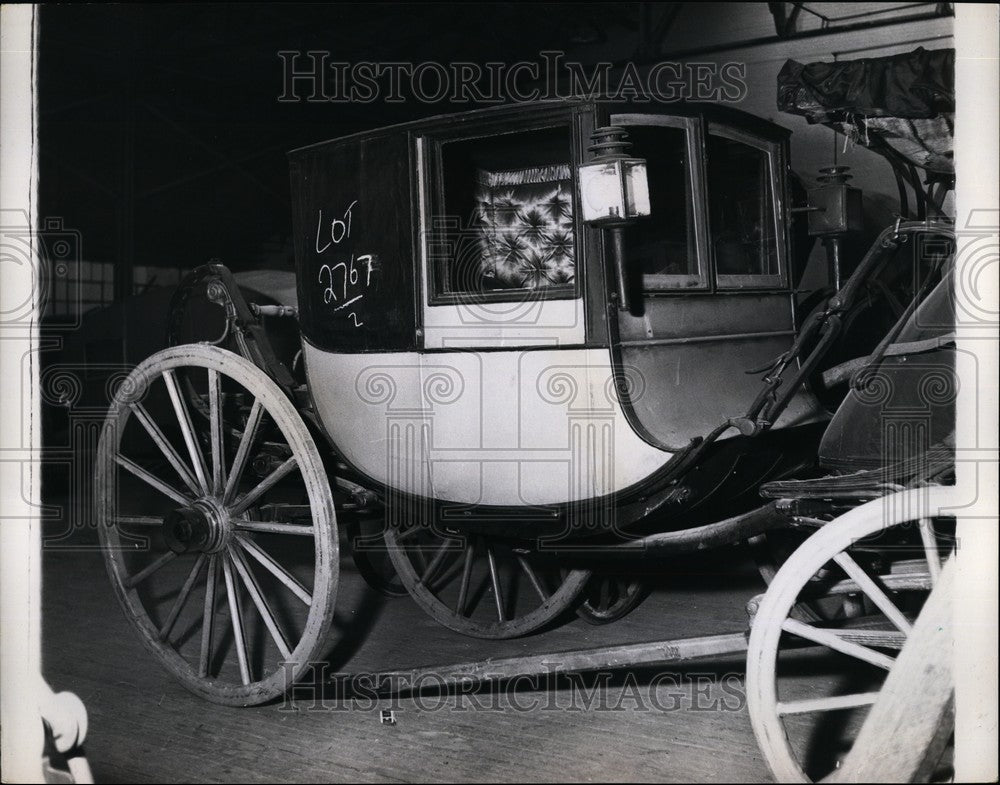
(711, 112)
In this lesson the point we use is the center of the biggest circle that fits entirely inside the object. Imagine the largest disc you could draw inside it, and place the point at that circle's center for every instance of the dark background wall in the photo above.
(163, 140)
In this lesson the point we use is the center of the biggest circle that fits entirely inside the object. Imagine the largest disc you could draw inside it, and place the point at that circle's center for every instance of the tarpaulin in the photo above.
(906, 101)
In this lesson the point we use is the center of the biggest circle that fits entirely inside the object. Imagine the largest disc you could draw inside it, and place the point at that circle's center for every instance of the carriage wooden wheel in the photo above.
(481, 586)
(219, 533)
(771, 549)
(807, 703)
(608, 598)
(371, 556)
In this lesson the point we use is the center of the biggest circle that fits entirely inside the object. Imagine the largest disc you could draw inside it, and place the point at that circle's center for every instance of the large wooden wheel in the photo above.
(479, 585)
(771, 549)
(219, 533)
(610, 597)
(371, 557)
(810, 681)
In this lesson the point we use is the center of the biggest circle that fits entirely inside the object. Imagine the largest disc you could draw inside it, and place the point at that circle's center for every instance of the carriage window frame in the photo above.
(431, 183)
(776, 165)
(692, 126)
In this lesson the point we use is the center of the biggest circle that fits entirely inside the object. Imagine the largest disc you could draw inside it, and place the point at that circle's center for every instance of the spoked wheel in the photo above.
(772, 549)
(371, 557)
(608, 598)
(481, 586)
(219, 533)
(811, 683)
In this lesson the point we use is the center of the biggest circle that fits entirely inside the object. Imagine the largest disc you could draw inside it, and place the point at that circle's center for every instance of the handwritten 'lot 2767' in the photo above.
(345, 281)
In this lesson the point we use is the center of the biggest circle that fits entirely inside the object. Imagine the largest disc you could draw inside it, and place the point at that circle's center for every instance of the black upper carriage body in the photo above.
(715, 304)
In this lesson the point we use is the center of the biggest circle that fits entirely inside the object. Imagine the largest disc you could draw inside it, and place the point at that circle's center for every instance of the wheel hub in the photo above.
(201, 527)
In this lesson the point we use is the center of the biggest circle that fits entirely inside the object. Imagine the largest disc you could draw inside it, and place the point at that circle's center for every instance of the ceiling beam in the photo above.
(653, 30)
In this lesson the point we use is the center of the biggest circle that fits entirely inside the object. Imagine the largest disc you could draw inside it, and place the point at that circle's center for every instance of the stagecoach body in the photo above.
(462, 333)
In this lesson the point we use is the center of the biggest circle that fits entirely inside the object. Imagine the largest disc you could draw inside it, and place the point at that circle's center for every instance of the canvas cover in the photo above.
(905, 101)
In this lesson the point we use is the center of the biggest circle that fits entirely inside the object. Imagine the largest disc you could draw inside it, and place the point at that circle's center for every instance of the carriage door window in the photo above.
(745, 232)
(504, 216)
(666, 246)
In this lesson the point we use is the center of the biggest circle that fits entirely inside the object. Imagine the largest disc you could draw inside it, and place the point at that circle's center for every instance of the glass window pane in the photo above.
(741, 208)
(507, 214)
(664, 243)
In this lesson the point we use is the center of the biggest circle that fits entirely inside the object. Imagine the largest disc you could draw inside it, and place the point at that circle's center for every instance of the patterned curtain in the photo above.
(524, 220)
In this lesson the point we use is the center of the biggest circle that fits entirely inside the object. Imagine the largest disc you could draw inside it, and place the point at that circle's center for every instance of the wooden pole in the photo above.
(905, 732)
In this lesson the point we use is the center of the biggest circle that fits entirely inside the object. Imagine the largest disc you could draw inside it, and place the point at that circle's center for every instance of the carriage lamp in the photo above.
(613, 187)
(614, 191)
(834, 211)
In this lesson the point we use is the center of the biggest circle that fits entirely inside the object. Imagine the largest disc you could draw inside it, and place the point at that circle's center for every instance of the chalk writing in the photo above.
(340, 228)
(342, 276)
(344, 282)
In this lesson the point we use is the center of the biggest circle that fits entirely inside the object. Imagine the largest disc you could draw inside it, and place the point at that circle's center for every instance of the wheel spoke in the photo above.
(138, 520)
(439, 555)
(264, 486)
(929, 538)
(831, 640)
(166, 448)
(237, 620)
(187, 429)
(604, 590)
(243, 450)
(405, 535)
(274, 568)
(831, 703)
(168, 625)
(542, 594)
(417, 555)
(164, 488)
(149, 569)
(273, 527)
(495, 580)
(253, 589)
(875, 594)
(215, 418)
(463, 588)
(208, 617)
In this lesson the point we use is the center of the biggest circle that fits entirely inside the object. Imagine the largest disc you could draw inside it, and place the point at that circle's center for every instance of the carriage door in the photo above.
(712, 257)
(503, 302)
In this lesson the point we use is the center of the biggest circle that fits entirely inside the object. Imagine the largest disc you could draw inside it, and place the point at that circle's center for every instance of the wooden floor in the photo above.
(646, 726)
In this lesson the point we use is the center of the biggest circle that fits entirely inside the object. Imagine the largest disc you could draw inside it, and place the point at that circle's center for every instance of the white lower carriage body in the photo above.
(506, 428)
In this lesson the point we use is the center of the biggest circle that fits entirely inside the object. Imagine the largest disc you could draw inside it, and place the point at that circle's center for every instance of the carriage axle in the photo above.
(200, 528)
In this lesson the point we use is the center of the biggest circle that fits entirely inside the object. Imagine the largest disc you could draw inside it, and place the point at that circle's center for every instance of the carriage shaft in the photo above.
(573, 661)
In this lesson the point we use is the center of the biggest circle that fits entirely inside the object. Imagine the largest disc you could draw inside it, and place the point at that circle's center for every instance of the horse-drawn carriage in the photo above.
(529, 352)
